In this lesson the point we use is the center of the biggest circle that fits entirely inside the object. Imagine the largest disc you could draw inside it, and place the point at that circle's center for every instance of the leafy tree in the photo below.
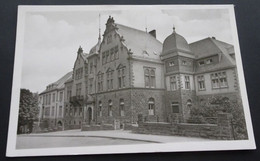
(28, 109)
(222, 104)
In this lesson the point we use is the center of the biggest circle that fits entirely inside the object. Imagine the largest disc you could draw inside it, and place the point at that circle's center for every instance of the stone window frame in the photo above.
(61, 96)
(187, 84)
(173, 83)
(91, 80)
(151, 106)
(149, 77)
(201, 82)
(121, 107)
(175, 105)
(100, 81)
(217, 78)
(100, 108)
(53, 111)
(110, 74)
(53, 97)
(78, 89)
(121, 75)
(60, 111)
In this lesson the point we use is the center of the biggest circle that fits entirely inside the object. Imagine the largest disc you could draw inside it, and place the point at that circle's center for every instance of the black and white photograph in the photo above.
(127, 79)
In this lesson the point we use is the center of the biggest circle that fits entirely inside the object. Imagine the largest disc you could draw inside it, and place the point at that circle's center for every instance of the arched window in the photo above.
(189, 104)
(100, 108)
(151, 106)
(110, 104)
(122, 107)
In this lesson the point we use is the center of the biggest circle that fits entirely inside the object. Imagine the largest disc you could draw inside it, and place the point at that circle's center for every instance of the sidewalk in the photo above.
(120, 134)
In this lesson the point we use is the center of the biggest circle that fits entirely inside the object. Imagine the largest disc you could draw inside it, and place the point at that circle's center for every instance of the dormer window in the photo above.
(201, 62)
(209, 61)
(171, 63)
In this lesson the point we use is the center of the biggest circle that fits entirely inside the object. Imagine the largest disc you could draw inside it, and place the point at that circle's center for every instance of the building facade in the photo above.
(129, 72)
(51, 105)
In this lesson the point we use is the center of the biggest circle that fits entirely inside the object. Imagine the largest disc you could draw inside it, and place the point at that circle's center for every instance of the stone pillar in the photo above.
(225, 127)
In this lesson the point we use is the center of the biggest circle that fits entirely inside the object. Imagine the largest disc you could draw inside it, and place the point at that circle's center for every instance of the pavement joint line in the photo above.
(109, 137)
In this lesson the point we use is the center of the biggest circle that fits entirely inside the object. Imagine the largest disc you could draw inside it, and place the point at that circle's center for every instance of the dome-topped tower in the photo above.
(175, 42)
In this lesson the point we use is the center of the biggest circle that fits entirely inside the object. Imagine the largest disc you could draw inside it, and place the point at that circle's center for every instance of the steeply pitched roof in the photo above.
(59, 84)
(209, 47)
(141, 43)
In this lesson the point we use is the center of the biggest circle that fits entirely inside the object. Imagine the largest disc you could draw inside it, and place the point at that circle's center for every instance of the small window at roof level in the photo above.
(209, 61)
(171, 63)
(201, 62)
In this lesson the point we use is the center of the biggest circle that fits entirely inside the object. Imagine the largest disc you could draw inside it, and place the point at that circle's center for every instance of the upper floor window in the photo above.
(209, 61)
(121, 77)
(52, 111)
(100, 81)
(187, 81)
(173, 83)
(149, 76)
(110, 80)
(219, 80)
(91, 67)
(53, 97)
(112, 54)
(79, 73)
(107, 56)
(103, 57)
(90, 85)
(201, 82)
(116, 52)
(60, 111)
(151, 106)
(78, 89)
(201, 62)
(109, 39)
(171, 63)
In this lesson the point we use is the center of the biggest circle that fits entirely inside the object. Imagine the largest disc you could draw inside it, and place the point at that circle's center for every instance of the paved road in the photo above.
(30, 142)
(76, 138)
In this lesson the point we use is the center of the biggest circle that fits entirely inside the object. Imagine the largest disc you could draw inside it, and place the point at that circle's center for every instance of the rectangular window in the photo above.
(201, 62)
(60, 111)
(187, 82)
(201, 82)
(53, 97)
(107, 56)
(219, 80)
(61, 96)
(90, 86)
(47, 111)
(112, 54)
(103, 58)
(116, 52)
(78, 89)
(175, 107)
(171, 63)
(173, 83)
(149, 77)
(52, 111)
(209, 61)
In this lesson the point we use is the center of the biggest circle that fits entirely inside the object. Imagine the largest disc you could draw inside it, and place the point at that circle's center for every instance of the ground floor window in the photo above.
(175, 107)
(110, 104)
(151, 106)
(122, 107)
(100, 108)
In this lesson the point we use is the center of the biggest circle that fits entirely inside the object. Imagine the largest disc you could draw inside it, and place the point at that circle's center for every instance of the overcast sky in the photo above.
(52, 38)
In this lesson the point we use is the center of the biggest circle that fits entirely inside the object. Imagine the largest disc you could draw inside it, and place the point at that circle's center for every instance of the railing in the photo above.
(77, 99)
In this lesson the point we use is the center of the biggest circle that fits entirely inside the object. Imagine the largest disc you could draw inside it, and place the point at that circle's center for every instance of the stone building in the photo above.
(129, 72)
(51, 104)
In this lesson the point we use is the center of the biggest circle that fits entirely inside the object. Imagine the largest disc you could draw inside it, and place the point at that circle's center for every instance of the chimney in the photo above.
(153, 33)
(213, 37)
